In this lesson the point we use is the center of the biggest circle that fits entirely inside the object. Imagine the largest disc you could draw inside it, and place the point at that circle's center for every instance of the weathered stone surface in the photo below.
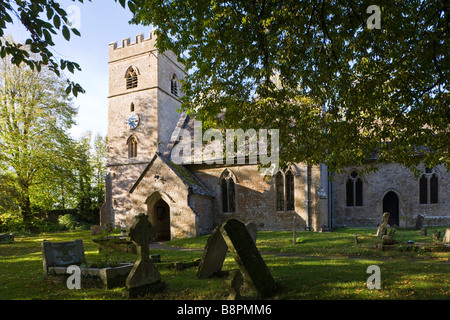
(419, 222)
(62, 254)
(388, 240)
(376, 184)
(213, 255)
(446, 236)
(383, 225)
(96, 230)
(423, 231)
(248, 258)
(436, 235)
(144, 276)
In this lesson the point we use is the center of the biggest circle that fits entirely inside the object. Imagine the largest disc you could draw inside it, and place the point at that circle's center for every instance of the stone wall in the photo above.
(401, 181)
(160, 182)
(256, 197)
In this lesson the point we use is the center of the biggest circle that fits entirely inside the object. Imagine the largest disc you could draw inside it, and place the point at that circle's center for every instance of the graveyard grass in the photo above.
(319, 266)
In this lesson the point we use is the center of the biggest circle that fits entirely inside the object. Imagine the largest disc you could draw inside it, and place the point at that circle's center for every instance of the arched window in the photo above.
(174, 85)
(279, 184)
(290, 191)
(227, 186)
(429, 187)
(354, 190)
(434, 188)
(132, 147)
(131, 78)
(423, 189)
(132, 107)
(284, 185)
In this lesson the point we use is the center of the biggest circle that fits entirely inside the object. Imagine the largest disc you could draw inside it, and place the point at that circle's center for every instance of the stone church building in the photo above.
(191, 199)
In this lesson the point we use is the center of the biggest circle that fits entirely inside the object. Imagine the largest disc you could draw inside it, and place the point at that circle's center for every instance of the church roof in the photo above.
(183, 173)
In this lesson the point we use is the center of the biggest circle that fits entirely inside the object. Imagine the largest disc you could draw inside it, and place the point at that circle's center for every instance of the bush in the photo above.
(11, 222)
(68, 222)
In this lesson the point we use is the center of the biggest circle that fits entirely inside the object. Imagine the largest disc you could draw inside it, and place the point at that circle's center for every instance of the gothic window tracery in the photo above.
(227, 185)
(354, 190)
(429, 187)
(285, 194)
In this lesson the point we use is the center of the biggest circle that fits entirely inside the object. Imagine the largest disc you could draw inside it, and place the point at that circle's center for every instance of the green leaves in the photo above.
(41, 32)
(369, 92)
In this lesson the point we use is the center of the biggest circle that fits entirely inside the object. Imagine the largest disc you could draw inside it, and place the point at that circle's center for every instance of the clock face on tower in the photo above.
(132, 121)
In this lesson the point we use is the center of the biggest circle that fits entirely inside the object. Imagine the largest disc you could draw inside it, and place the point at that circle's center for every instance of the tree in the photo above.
(35, 149)
(339, 90)
(32, 15)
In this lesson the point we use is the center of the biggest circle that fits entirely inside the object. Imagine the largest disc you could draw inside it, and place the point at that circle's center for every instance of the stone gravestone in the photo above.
(61, 254)
(247, 257)
(419, 222)
(446, 239)
(213, 255)
(144, 278)
(383, 225)
(436, 235)
(234, 235)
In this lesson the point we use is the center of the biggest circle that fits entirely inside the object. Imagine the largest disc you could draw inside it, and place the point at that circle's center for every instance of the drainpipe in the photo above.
(307, 197)
(330, 201)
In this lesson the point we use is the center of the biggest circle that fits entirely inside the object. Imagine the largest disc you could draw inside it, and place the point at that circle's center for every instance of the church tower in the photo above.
(144, 95)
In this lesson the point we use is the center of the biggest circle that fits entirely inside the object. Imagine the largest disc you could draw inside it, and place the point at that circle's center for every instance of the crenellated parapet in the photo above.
(127, 49)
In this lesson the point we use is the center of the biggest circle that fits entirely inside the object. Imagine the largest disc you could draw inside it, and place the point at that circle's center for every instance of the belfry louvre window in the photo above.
(354, 190)
(174, 85)
(429, 187)
(284, 185)
(227, 186)
(131, 78)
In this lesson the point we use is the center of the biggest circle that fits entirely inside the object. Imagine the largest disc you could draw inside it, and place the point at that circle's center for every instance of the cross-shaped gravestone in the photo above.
(144, 274)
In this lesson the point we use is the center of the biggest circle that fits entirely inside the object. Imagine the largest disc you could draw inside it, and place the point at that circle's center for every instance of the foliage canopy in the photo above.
(339, 92)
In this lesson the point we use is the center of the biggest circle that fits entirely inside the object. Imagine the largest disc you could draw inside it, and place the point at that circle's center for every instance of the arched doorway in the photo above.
(391, 205)
(161, 220)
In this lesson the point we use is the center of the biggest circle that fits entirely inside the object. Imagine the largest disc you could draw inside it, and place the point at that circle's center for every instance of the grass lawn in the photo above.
(319, 266)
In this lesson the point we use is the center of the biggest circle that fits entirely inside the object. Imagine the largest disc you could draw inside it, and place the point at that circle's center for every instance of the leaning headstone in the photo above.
(424, 232)
(247, 257)
(383, 225)
(144, 278)
(213, 255)
(419, 222)
(436, 235)
(446, 239)
(253, 230)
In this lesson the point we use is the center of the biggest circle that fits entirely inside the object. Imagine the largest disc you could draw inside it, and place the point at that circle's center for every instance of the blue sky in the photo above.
(100, 23)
